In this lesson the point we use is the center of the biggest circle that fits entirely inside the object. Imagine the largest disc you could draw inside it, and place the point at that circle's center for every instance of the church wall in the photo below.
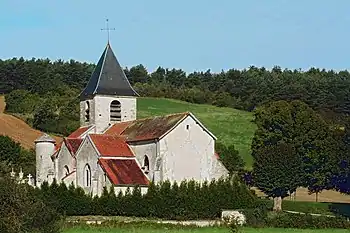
(142, 149)
(64, 159)
(118, 189)
(217, 169)
(100, 110)
(86, 155)
(102, 181)
(187, 152)
(70, 179)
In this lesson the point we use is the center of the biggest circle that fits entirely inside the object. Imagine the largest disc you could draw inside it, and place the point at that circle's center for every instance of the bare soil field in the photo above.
(17, 129)
(325, 196)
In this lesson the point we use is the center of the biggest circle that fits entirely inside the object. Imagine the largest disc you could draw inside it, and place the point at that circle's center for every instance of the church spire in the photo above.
(108, 78)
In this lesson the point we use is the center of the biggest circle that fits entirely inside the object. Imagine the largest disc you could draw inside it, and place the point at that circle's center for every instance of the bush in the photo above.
(22, 211)
(257, 217)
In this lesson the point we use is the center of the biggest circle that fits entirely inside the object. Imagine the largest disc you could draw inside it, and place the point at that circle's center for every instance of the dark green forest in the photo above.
(42, 90)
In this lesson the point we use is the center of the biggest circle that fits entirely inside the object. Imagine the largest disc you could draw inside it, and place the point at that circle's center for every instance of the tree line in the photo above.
(326, 91)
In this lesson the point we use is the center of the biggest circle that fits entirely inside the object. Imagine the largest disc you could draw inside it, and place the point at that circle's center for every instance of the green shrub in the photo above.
(22, 211)
(288, 220)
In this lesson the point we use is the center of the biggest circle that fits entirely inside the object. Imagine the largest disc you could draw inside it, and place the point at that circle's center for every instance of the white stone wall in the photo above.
(187, 153)
(148, 148)
(102, 181)
(86, 155)
(64, 158)
(118, 189)
(44, 163)
(217, 169)
(100, 110)
(70, 179)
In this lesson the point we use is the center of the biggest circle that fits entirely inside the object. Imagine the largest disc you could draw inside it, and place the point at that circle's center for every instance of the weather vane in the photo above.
(107, 29)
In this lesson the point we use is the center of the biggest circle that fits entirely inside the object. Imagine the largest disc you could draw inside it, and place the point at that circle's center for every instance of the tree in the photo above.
(9, 150)
(45, 116)
(230, 157)
(277, 171)
(341, 178)
(296, 124)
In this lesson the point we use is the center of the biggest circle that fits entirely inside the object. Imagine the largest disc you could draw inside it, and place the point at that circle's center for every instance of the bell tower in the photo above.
(108, 97)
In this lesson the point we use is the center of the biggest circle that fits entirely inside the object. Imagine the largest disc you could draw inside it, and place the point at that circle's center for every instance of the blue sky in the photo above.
(187, 34)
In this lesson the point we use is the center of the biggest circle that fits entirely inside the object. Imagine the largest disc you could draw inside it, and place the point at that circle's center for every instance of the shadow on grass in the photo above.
(340, 209)
(323, 208)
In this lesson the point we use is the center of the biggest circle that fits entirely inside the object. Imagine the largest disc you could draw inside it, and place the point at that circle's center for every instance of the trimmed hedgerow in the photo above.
(289, 220)
(262, 217)
(187, 200)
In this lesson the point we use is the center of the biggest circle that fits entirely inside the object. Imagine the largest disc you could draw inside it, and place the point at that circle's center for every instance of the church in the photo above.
(112, 148)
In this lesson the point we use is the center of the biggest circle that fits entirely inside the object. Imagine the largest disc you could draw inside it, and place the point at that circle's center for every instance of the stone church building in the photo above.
(114, 148)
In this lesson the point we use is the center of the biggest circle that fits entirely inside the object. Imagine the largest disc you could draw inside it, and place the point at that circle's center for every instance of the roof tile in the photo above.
(80, 131)
(111, 145)
(123, 171)
(73, 144)
(147, 128)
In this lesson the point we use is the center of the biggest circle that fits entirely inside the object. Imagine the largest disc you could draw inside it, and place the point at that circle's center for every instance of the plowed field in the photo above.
(17, 129)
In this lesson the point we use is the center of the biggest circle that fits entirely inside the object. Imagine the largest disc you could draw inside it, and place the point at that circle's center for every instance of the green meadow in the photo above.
(227, 124)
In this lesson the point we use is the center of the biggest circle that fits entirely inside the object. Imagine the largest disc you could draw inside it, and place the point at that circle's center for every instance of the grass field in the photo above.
(195, 230)
(228, 125)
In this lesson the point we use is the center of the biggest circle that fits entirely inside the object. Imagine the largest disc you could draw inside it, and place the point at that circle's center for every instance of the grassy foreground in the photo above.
(227, 124)
(161, 229)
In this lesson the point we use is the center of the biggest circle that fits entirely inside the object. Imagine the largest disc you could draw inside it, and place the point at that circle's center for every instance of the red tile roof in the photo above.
(73, 144)
(147, 128)
(57, 149)
(123, 171)
(80, 131)
(118, 128)
(111, 145)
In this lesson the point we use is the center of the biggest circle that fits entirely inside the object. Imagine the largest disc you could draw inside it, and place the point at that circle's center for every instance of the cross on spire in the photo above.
(107, 29)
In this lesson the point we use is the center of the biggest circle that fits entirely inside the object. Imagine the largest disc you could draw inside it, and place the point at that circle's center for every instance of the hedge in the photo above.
(262, 217)
(187, 200)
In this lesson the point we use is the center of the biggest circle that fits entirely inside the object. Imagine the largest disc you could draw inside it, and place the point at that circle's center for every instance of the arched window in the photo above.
(115, 111)
(65, 170)
(146, 164)
(87, 111)
(87, 176)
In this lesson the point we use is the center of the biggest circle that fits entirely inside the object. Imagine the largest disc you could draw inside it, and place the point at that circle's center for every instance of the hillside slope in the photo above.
(17, 129)
(227, 124)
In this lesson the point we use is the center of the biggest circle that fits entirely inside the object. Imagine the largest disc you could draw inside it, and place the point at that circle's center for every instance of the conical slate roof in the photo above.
(108, 78)
(45, 138)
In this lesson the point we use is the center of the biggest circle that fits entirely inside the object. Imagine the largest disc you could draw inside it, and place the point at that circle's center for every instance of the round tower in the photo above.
(44, 148)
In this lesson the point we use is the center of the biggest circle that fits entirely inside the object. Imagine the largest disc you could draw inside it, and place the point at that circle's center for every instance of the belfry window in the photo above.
(87, 111)
(87, 176)
(146, 164)
(115, 111)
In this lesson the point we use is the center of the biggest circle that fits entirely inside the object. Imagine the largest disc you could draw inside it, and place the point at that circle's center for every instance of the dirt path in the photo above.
(17, 129)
